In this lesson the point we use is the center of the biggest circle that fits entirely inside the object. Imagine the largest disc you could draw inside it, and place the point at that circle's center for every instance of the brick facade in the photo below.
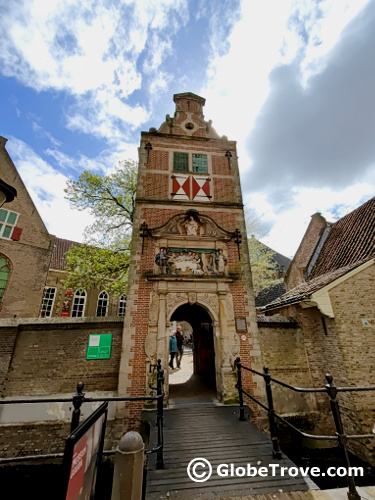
(29, 256)
(331, 297)
(153, 297)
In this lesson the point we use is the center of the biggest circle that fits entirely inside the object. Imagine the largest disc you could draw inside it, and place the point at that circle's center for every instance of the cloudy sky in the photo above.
(292, 81)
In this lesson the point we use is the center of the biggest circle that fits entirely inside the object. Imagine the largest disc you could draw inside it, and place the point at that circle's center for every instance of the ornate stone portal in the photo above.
(186, 264)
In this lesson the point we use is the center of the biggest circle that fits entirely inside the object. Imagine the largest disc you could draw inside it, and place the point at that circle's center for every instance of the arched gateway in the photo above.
(187, 260)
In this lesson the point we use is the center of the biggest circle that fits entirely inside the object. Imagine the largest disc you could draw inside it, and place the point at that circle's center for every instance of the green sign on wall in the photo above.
(99, 346)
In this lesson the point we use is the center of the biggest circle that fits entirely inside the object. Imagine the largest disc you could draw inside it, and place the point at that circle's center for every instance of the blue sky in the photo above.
(290, 80)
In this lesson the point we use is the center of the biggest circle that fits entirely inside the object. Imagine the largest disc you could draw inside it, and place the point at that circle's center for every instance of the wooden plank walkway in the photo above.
(366, 493)
(216, 434)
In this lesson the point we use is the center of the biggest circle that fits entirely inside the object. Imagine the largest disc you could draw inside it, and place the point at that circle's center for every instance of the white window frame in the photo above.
(122, 305)
(79, 294)
(5, 224)
(103, 297)
(47, 302)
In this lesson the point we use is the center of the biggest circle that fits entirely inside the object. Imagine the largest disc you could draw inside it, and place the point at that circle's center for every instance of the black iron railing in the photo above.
(330, 389)
(79, 398)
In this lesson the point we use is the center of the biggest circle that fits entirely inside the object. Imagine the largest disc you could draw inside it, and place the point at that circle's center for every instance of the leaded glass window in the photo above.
(102, 307)
(122, 305)
(47, 302)
(79, 301)
(200, 164)
(181, 162)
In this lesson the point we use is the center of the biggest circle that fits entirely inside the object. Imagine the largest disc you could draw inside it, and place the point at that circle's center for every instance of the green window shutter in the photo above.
(200, 164)
(180, 162)
(4, 274)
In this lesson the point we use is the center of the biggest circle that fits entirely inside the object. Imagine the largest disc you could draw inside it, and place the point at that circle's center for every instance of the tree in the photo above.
(263, 266)
(103, 261)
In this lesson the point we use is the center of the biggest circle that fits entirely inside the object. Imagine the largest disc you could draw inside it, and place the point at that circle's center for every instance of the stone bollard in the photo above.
(128, 473)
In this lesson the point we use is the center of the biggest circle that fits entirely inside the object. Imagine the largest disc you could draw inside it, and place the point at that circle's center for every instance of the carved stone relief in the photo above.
(190, 261)
(229, 307)
(150, 345)
(192, 224)
(235, 346)
(154, 308)
(192, 298)
(210, 299)
(175, 298)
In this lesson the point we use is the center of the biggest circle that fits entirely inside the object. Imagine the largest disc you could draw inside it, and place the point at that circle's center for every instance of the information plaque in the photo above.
(99, 346)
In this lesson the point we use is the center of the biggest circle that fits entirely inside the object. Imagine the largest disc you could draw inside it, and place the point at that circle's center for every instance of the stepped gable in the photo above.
(61, 248)
(188, 118)
(352, 239)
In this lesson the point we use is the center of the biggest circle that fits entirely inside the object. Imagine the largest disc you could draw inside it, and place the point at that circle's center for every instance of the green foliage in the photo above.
(104, 260)
(263, 266)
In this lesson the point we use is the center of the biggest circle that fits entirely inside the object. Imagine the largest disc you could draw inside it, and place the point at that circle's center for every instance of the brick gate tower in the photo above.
(187, 262)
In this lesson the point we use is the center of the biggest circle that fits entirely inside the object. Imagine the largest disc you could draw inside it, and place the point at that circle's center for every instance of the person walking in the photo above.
(172, 348)
(180, 346)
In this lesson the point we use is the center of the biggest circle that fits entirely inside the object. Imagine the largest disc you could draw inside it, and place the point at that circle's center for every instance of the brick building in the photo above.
(33, 263)
(59, 302)
(25, 248)
(186, 265)
(330, 300)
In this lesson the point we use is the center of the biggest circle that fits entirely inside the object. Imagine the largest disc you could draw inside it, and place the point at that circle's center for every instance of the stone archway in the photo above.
(198, 376)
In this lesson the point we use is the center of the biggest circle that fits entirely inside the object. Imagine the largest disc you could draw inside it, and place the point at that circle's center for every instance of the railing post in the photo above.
(332, 393)
(128, 471)
(237, 364)
(276, 452)
(78, 398)
(160, 415)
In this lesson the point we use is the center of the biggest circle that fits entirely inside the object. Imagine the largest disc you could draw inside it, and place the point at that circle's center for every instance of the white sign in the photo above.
(94, 341)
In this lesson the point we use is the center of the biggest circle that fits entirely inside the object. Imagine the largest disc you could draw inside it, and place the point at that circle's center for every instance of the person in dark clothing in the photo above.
(180, 346)
(172, 348)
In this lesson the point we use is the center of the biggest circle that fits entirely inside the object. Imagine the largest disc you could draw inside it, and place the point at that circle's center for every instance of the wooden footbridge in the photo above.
(216, 434)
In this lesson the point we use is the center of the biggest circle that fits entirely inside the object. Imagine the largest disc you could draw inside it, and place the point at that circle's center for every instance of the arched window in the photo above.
(122, 305)
(4, 275)
(79, 301)
(47, 302)
(102, 307)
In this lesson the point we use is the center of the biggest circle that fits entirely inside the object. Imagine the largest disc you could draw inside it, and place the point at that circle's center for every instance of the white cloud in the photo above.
(91, 51)
(46, 188)
(102, 164)
(41, 132)
(270, 37)
(289, 226)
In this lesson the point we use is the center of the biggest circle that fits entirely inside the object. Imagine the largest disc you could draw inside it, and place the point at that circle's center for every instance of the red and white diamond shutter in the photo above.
(181, 187)
(200, 189)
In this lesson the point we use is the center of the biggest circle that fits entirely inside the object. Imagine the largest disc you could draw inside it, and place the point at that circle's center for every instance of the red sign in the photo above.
(77, 471)
(64, 313)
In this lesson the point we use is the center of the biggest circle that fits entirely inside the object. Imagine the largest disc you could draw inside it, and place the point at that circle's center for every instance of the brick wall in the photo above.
(50, 357)
(297, 268)
(158, 160)
(30, 256)
(353, 300)
(220, 166)
(283, 352)
(8, 338)
(156, 186)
